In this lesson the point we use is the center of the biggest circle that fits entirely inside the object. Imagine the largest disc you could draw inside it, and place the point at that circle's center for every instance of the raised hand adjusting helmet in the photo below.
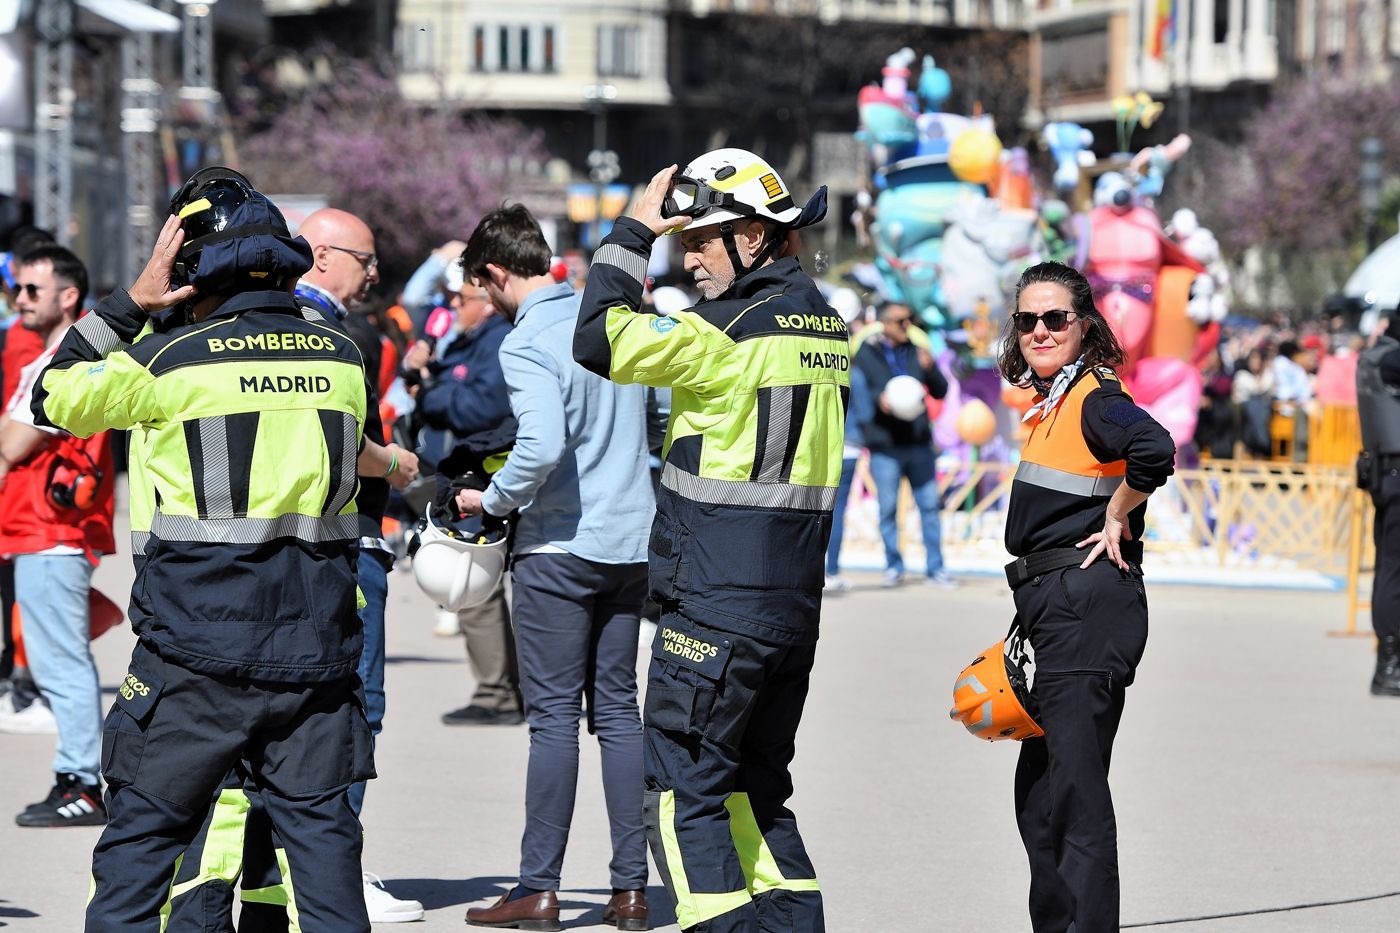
(235, 238)
(728, 185)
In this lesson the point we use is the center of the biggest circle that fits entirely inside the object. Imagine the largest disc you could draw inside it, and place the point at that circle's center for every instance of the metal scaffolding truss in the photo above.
(198, 49)
(140, 120)
(53, 124)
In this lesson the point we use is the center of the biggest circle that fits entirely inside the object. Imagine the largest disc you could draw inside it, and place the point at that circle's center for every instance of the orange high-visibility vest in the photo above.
(1056, 456)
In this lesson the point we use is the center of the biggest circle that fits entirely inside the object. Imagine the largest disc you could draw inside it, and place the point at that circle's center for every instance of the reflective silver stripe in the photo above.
(375, 544)
(613, 255)
(349, 454)
(98, 333)
(310, 528)
(218, 488)
(775, 434)
(311, 314)
(1037, 474)
(743, 493)
(138, 541)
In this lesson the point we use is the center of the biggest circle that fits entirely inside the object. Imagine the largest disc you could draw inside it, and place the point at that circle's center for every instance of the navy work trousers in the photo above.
(1088, 628)
(722, 711)
(576, 627)
(1385, 593)
(169, 743)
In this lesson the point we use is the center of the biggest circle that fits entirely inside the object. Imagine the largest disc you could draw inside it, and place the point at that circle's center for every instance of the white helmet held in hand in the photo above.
(456, 571)
(906, 397)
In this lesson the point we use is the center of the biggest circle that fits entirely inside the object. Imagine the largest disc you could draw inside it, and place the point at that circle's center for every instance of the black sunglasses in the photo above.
(1055, 321)
(29, 287)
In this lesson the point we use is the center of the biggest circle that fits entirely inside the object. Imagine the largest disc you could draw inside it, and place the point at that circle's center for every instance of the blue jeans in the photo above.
(52, 593)
(838, 517)
(373, 573)
(915, 464)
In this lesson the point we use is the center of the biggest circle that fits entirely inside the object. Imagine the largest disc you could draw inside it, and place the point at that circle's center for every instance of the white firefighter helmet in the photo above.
(458, 571)
(730, 184)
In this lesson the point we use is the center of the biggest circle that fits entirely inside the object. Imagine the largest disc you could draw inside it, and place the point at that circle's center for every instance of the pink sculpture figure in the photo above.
(1136, 270)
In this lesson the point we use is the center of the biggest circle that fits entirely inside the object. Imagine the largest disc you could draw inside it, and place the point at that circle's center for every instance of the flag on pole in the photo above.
(1161, 35)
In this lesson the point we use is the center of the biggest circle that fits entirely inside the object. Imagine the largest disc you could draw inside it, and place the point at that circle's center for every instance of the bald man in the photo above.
(345, 269)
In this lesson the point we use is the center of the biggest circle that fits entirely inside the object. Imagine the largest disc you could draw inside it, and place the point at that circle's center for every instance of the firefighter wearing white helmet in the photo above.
(760, 372)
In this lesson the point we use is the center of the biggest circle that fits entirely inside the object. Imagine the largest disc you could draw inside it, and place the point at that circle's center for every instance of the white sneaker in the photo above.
(892, 579)
(943, 581)
(446, 625)
(835, 583)
(34, 719)
(383, 907)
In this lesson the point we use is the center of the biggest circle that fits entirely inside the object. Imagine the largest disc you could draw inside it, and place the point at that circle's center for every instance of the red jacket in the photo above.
(22, 347)
(29, 521)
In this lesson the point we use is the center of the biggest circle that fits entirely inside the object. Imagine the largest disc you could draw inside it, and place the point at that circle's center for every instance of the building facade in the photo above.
(1214, 62)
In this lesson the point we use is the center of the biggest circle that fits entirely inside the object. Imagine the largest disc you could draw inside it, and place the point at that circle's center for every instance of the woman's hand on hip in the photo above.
(1109, 541)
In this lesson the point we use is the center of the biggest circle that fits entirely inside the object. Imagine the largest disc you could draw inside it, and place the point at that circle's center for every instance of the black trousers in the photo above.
(1385, 592)
(168, 745)
(721, 715)
(1088, 629)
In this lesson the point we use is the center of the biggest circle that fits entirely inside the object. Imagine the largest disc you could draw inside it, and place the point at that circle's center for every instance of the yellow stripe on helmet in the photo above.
(194, 207)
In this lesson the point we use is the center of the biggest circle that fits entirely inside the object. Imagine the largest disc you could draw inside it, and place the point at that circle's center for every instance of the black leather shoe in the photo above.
(481, 716)
(536, 912)
(628, 910)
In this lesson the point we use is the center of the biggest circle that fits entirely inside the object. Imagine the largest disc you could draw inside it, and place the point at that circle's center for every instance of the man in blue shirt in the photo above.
(579, 476)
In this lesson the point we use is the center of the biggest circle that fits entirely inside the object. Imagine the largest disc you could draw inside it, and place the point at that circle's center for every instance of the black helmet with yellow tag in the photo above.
(235, 238)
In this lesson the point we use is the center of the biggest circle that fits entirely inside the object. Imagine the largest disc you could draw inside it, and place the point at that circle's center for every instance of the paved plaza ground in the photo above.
(1253, 771)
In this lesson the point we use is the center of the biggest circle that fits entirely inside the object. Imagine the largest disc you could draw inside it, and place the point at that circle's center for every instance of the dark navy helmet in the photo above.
(236, 240)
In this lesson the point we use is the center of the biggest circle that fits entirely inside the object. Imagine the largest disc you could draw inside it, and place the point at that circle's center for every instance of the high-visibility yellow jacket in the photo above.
(245, 432)
(760, 380)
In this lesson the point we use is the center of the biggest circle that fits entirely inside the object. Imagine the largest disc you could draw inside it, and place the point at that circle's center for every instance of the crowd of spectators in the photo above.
(1274, 369)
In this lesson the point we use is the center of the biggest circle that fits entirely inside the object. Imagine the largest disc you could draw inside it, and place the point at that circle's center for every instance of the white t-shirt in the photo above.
(19, 405)
(20, 412)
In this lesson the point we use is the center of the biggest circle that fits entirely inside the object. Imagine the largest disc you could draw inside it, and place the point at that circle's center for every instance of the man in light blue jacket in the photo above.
(579, 476)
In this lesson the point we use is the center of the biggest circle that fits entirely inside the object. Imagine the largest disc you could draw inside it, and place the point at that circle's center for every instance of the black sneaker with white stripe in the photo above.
(70, 803)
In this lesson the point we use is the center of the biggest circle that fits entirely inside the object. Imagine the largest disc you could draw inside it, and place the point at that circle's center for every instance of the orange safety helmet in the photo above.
(990, 698)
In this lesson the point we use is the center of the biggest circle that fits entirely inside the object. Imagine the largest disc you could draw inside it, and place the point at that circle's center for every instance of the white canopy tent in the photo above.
(1377, 280)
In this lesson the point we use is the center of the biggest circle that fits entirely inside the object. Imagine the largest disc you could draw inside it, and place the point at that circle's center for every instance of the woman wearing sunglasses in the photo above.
(1075, 525)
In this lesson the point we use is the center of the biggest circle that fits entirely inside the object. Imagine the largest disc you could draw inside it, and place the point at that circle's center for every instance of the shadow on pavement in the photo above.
(418, 659)
(436, 893)
(16, 912)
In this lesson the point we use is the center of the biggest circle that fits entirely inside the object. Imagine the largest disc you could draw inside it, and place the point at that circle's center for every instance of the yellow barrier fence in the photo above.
(1236, 516)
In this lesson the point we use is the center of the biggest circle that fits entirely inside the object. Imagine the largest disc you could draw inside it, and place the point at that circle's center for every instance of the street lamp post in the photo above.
(1371, 152)
(603, 166)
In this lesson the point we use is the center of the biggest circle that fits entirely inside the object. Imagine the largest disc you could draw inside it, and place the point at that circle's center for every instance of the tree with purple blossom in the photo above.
(1292, 190)
(418, 175)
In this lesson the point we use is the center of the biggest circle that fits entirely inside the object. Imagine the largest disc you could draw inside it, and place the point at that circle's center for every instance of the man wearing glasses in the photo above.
(345, 269)
(899, 448)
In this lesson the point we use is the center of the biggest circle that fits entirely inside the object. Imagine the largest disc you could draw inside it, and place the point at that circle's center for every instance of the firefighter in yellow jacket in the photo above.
(1075, 524)
(760, 377)
(247, 423)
